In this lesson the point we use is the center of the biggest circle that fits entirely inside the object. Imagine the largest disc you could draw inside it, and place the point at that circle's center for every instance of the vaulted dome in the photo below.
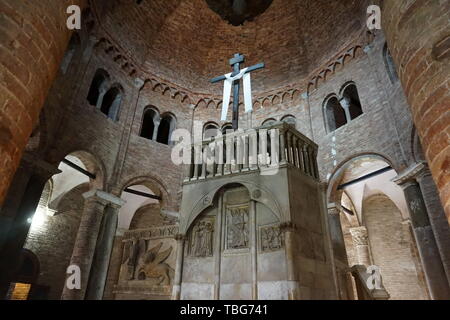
(185, 42)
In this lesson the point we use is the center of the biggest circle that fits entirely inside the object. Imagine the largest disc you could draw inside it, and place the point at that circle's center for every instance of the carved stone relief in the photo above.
(201, 239)
(146, 254)
(237, 227)
(271, 238)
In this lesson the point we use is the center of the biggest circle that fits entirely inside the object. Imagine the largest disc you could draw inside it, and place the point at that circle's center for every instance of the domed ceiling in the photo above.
(188, 42)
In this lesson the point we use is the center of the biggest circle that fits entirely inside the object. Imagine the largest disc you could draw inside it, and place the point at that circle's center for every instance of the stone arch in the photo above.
(166, 127)
(350, 96)
(290, 119)
(333, 195)
(210, 130)
(333, 113)
(93, 164)
(256, 192)
(157, 186)
(149, 122)
(112, 101)
(98, 85)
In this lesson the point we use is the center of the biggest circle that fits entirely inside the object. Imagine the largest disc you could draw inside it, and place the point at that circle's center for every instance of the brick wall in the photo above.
(391, 249)
(418, 35)
(34, 38)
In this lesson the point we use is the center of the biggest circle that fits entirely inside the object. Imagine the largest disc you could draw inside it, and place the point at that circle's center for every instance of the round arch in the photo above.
(256, 192)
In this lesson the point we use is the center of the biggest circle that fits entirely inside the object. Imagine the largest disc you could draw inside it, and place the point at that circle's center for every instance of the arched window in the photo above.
(98, 84)
(334, 114)
(149, 124)
(269, 122)
(210, 130)
(290, 120)
(350, 100)
(111, 102)
(227, 128)
(166, 127)
(74, 44)
(390, 65)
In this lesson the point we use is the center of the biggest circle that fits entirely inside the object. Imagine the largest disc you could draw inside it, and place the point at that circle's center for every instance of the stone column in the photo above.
(417, 36)
(86, 240)
(289, 230)
(345, 104)
(155, 129)
(18, 209)
(176, 290)
(361, 242)
(340, 262)
(436, 213)
(423, 233)
(102, 256)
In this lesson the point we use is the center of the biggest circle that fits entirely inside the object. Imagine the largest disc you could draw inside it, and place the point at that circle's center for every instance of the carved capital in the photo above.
(409, 176)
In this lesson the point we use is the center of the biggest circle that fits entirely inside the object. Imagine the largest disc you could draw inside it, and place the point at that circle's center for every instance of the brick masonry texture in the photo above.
(34, 38)
(424, 71)
(174, 53)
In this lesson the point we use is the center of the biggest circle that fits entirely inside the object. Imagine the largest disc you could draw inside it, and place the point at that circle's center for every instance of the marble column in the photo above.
(436, 213)
(361, 241)
(102, 256)
(345, 103)
(17, 211)
(86, 240)
(176, 290)
(428, 251)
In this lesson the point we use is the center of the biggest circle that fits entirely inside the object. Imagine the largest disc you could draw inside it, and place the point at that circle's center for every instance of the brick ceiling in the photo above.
(187, 43)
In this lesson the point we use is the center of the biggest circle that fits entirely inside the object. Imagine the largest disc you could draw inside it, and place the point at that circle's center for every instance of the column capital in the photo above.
(360, 236)
(107, 198)
(410, 175)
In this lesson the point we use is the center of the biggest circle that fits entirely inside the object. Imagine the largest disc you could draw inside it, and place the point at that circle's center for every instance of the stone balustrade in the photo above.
(267, 147)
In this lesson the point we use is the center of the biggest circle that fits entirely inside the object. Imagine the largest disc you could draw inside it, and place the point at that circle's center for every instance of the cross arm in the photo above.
(250, 69)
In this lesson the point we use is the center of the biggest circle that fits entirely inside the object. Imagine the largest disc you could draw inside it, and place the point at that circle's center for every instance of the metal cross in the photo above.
(235, 62)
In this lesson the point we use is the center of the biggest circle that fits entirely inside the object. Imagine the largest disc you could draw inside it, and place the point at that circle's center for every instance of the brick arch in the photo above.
(154, 183)
(93, 163)
(333, 194)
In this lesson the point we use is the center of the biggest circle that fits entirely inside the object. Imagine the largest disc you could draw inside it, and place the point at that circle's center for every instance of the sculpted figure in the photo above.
(155, 267)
